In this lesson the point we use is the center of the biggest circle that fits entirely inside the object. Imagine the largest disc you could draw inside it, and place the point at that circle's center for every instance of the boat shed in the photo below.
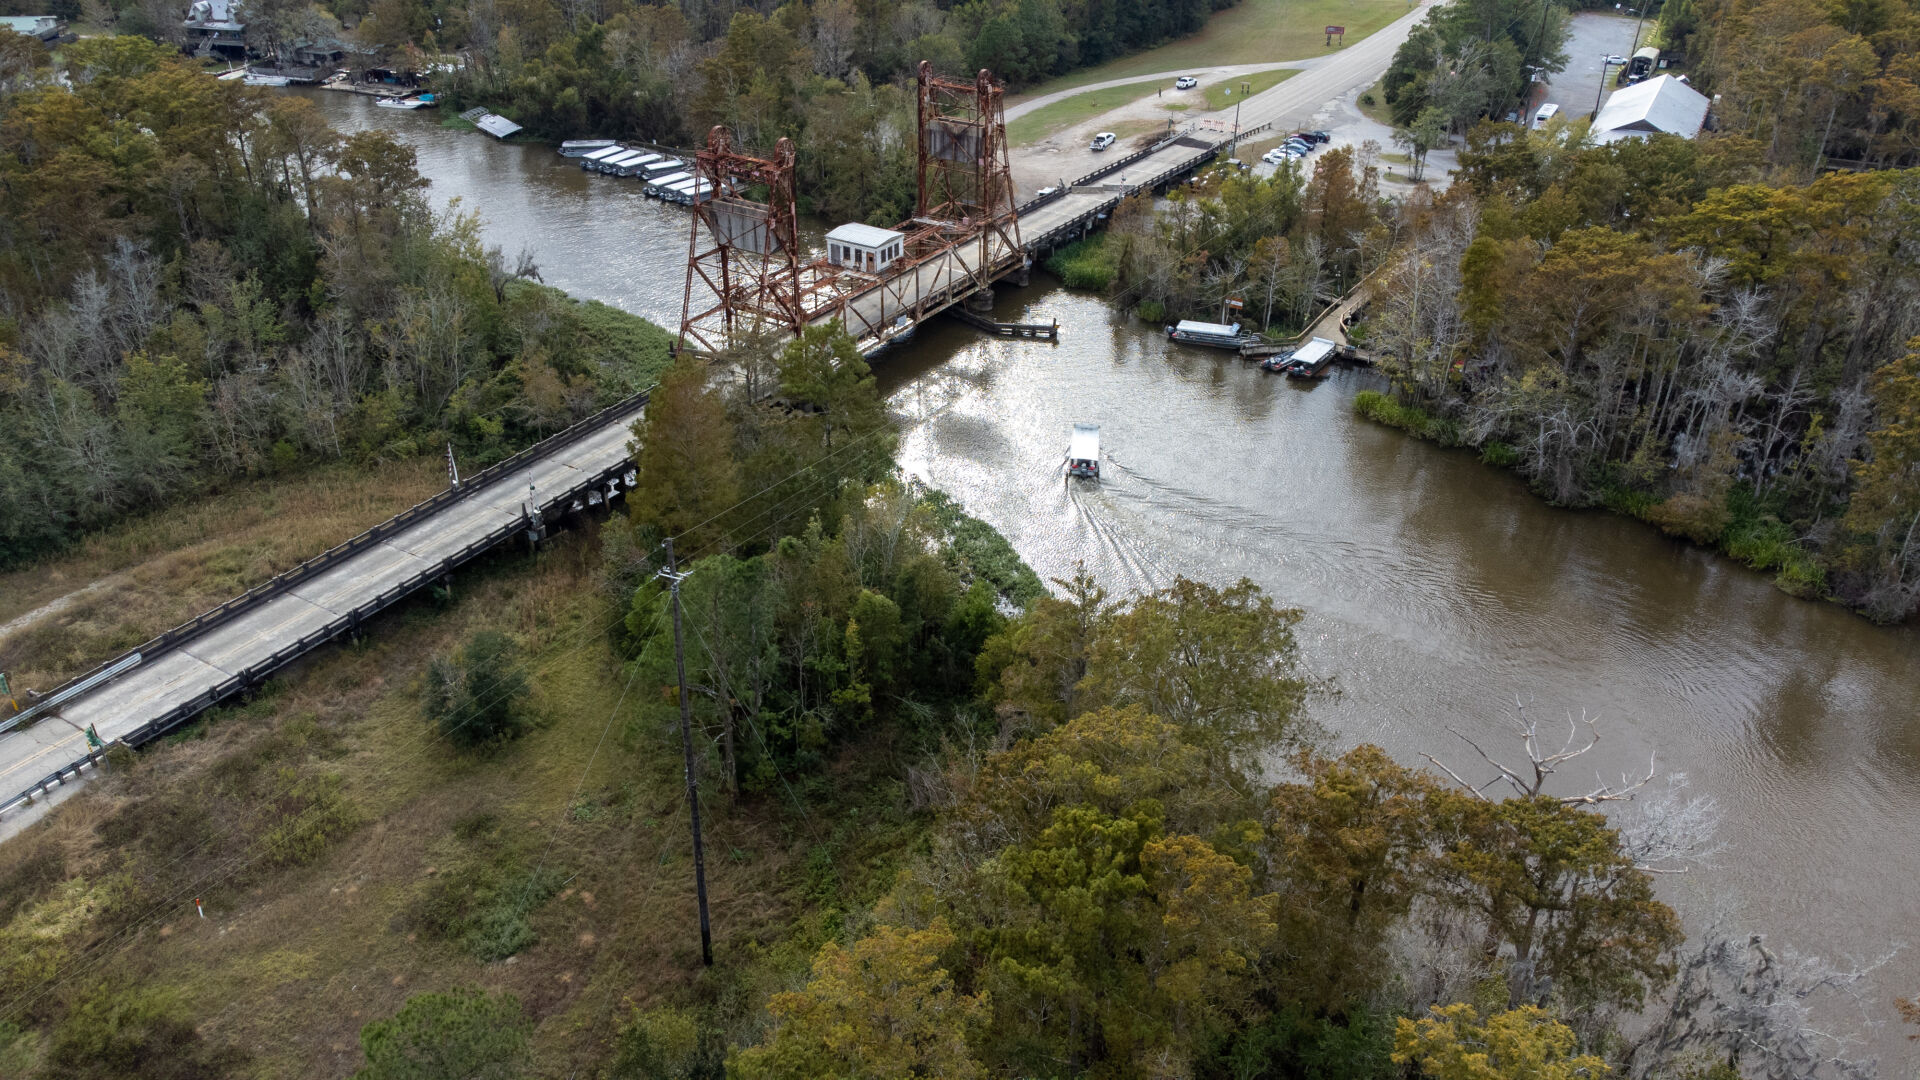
(497, 126)
(1663, 105)
(619, 163)
(593, 157)
(864, 247)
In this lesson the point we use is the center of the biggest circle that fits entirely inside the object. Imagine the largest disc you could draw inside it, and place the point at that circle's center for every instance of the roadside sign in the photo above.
(1235, 304)
(1336, 31)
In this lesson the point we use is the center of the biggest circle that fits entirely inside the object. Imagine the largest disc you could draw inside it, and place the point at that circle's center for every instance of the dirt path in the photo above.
(56, 605)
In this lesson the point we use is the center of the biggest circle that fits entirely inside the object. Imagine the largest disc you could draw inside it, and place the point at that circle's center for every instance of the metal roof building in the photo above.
(1665, 104)
(497, 126)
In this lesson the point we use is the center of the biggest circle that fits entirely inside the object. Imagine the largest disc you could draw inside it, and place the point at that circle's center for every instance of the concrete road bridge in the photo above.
(140, 695)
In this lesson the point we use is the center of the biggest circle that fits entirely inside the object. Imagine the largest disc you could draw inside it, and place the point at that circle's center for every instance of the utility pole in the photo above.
(453, 469)
(673, 578)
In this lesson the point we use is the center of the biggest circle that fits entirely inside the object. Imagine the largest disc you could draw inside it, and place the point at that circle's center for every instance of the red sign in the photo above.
(1337, 30)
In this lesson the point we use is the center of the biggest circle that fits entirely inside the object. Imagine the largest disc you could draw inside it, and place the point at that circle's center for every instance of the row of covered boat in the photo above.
(665, 176)
(1311, 360)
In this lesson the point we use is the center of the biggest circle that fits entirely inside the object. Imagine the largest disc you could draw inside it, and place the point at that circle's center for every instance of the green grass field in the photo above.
(1221, 94)
(1255, 32)
(1067, 112)
(1378, 109)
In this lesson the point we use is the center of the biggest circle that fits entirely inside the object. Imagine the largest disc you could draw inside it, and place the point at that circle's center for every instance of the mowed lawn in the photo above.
(1253, 32)
(1067, 112)
(1221, 94)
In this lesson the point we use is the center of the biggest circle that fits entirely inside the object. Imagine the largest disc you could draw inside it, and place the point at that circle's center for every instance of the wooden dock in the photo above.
(1030, 331)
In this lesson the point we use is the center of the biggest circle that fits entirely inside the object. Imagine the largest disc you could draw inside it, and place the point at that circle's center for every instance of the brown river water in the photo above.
(1436, 589)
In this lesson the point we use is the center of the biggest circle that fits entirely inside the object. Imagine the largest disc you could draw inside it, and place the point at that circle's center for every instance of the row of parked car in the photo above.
(1298, 145)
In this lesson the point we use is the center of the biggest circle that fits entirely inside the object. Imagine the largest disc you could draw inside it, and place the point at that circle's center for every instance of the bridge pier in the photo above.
(981, 302)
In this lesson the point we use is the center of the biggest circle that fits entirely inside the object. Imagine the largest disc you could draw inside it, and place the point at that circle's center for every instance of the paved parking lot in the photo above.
(1593, 37)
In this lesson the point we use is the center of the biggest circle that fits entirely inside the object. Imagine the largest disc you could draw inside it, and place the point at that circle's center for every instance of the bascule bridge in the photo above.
(747, 269)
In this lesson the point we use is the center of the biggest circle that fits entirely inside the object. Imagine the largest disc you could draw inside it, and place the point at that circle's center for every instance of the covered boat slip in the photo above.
(1310, 361)
(1083, 451)
(592, 158)
(659, 184)
(1218, 335)
(583, 147)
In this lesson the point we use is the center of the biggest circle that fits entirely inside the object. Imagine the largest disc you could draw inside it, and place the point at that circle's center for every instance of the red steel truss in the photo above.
(745, 254)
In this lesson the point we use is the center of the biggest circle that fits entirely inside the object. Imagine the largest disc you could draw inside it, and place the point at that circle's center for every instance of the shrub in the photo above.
(478, 700)
(1152, 311)
(486, 909)
(461, 1033)
(312, 814)
(661, 1044)
(1695, 517)
(1085, 264)
(134, 1034)
(1499, 454)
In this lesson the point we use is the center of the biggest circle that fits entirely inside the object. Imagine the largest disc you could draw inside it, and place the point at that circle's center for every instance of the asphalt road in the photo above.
(1289, 104)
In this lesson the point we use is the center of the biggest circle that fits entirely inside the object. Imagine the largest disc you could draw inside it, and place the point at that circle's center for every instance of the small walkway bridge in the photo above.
(140, 695)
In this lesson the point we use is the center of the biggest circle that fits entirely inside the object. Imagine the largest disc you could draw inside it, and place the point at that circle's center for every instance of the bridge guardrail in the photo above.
(255, 673)
(218, 616)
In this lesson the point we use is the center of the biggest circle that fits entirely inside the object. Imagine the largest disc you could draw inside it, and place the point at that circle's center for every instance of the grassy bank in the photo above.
(1254, 32)
(1222, 94)
(1085, 264)
(347, 858)
(119, 587)
(1063, 114)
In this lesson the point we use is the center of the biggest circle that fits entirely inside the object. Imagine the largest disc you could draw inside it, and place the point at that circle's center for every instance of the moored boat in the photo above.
(1217, 335)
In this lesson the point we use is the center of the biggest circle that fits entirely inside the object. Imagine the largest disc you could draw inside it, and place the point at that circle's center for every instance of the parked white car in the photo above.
(1103, 140)
(1185, 82)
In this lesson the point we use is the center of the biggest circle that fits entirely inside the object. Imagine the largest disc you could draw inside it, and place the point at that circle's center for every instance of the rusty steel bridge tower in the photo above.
(746, 272)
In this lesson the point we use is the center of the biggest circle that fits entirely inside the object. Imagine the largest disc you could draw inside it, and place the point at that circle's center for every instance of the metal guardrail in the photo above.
(216, 617)
(254, 674)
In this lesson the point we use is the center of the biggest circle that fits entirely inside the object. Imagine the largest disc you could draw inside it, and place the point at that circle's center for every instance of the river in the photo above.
(1436, 590)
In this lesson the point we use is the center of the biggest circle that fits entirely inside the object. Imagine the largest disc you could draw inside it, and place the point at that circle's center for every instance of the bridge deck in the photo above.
(872, 314)
(316, 608)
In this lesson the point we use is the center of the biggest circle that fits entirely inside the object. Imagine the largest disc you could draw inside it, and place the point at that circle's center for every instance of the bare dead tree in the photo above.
(1772, 1015)
(1531, 780)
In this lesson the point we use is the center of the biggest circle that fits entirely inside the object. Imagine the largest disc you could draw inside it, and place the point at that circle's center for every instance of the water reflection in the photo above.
(1437, 590)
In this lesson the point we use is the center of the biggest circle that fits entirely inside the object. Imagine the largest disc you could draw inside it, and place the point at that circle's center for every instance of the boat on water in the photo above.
(253, 79)
(1083, 451)
(236, 73)
(1217, 335)
(582, 147)
(401, 103)
(1311, 361)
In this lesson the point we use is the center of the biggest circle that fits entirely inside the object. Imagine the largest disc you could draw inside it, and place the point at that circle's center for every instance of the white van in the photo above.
(1103, 140)
(1546, 114)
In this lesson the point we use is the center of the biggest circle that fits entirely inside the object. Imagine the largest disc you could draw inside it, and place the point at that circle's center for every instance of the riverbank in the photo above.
(1436, 591)
(1747, 534)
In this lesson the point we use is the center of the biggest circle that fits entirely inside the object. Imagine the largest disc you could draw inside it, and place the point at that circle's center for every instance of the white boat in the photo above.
(1218, 335)
(266, 80)
(400, 103)
(582, 147)
(236, 73)
(1083, 451)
